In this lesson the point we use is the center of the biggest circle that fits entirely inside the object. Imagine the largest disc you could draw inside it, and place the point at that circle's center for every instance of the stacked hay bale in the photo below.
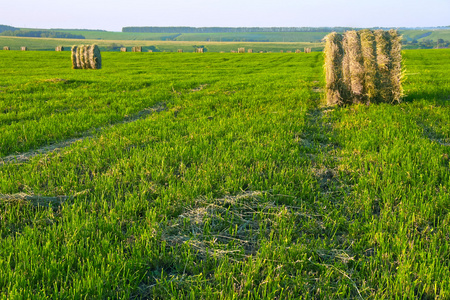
(6, 48)
(298, 51)
(123, 49)
(59, 48)
(199, 50)
(86, 57)
(281, 51)
(365, 67)
(136, 49)
(307, 50)
(180, 50)
(250, 51)
(241, 50)
(23, 48)
(289, 51)
(150, 51)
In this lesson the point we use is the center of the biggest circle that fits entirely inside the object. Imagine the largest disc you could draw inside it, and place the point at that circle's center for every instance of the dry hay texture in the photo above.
(86, 57)
(136, 49)
(363, 67)
(6, 48)
(241, 50)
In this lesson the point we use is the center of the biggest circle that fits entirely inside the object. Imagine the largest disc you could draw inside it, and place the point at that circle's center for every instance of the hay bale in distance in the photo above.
(307, 50)
(250, 50)
(23, 48)
(150, 51)
(199, 50)
(6, 48)
(241, 50)
(59, 48)
(136, 49)
(180, 50)
(298, 51)
(334, 54)
(123, 49)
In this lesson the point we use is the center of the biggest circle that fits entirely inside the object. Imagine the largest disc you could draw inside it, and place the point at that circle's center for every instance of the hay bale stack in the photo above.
(6, 48)
(123, 49)
(59, 48)
(370, 70)
(199, 50)
(298, 51)
(307, 50)
(232, 51)
(180, 50)
(369, 53)
(136, 49)
(396, 65)
(288, 51)
(150, 50)
(281, 51)
(250, 51)
(86, 57)
(353, 66)
(23, 48)
(241, 50)
(383, 40)
(334, 54)
(261, 51)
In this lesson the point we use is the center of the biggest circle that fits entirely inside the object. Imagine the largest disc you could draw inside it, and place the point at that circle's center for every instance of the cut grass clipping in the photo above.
(86, 57)
(363, 67)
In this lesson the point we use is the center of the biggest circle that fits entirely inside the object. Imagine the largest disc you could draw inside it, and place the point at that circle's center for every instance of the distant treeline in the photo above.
(43, 34)
(230, 29)
(7, 28)
(154, 29)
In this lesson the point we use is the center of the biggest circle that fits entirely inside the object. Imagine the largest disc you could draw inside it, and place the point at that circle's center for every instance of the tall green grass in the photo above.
(244, 186)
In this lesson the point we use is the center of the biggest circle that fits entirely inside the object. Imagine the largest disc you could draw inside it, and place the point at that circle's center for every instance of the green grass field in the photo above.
(220, 176)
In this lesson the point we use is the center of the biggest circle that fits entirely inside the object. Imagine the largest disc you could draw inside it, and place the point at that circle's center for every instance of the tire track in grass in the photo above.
(24, 157)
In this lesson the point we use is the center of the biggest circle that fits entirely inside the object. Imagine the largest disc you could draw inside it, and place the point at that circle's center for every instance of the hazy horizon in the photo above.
(114, 15)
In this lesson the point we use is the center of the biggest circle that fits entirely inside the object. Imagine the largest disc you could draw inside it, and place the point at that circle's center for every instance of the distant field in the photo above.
(220, 176)
(46, 44)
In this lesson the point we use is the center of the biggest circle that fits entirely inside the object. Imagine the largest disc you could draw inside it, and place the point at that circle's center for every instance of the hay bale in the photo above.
(241, 50)
(59, 49)
(74, 57)
(250, 51)
(6, 48)
(281, 51)
(150, 50)
(136, 49)
(232, 51)
(123, 49)
(383, 41)
(334, 54)
(23, 48)
(396, 66)
(369, 54)
(95, 58)
(353, 66)
(199, 50)
(298, 51)
(261, 51)
(288, 51)
(307, 50)
(180, 51)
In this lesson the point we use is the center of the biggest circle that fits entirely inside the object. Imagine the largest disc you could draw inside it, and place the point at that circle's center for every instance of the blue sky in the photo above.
(112, 15)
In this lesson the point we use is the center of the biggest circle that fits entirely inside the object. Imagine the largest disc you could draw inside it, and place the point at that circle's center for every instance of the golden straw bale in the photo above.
(396, 65)
(334, 53)
(353, 62)
(74, 57)
(371, 76)
(384, 61)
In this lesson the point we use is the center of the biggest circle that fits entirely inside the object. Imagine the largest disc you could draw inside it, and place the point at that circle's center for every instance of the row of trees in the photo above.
(154, 29)
(426, 44)
(40, 33)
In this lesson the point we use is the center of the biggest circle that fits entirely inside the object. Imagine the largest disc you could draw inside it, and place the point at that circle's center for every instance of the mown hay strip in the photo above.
(369, 54)
(396, 65)
(334, 53)
(383, 40)
(38, 200)
(354, 58)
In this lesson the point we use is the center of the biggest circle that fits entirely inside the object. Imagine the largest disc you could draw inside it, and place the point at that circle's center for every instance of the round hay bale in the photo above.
(74, 58)
(354, 64)
(396, 65)
(383, 40)
(334, 53)
(369, 53)
(6, 48)
(95, 57)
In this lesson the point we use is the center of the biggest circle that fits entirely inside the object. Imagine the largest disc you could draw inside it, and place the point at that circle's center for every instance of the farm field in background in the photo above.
(187, 175)
(49, 44)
